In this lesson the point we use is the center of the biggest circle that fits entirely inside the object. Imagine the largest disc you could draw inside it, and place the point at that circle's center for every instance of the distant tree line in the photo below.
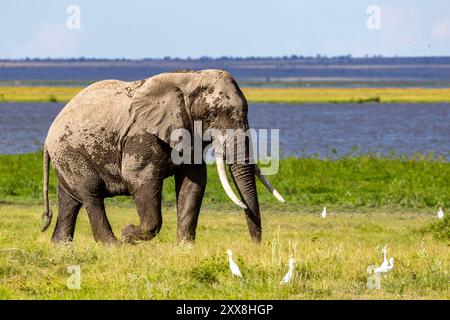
(293, 57)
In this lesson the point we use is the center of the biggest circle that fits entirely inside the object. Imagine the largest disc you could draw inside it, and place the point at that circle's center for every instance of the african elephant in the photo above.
(113, 138)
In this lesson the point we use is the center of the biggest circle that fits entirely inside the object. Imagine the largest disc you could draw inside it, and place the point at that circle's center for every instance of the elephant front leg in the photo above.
(147, 199)
(190, 182)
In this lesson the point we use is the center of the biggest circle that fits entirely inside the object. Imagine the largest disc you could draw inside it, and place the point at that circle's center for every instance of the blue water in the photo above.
(305, 130)
(377, 71)
(339, 129)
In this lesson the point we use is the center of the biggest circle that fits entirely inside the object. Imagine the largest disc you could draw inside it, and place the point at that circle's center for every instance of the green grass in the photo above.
(351, 182)
(441, 228)
(272, 95)
(332, 256)
(371, 202)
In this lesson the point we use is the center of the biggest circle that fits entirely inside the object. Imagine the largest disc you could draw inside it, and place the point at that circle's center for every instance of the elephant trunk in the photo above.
(244, 178)
(243, 172)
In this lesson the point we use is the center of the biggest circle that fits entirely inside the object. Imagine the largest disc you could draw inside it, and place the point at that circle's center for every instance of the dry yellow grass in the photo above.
(304, 95)
(37, 94)
(274, 95)
(332, 256)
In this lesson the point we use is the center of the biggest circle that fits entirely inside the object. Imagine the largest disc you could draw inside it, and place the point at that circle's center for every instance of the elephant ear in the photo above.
(159, 107)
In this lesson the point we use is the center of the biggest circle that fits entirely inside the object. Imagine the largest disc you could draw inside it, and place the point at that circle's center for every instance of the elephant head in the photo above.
(176, 100)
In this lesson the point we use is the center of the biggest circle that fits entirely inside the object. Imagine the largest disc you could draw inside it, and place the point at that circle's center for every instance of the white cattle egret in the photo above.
(386, 266)
(440, 213)
(385, 260)
(324, 212)
(233, 266)
(290, 274)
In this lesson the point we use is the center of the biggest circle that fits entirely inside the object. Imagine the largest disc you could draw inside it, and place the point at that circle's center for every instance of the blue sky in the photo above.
(158, 28)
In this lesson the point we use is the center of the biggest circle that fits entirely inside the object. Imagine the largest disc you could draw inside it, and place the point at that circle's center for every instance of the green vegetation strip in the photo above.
(270, 95)
(353, 181)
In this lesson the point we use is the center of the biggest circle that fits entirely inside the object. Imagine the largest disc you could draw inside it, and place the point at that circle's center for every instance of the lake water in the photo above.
(431, 71)
(305, 130)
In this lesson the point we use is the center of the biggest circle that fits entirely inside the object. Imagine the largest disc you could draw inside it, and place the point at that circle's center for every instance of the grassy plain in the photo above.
(332, 256)
(371, 202)
(271, 95)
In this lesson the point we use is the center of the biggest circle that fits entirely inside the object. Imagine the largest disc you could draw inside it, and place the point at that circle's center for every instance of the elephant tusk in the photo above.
(268, 185)
(225, 184)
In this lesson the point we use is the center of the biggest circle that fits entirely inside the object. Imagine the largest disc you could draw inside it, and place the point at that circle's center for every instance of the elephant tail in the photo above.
(47, 215)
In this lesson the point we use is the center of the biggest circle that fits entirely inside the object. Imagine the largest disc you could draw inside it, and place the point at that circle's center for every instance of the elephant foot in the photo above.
(61, 240)
(132, 234)
(107, 240)
(256, 237)
(112, 242)
(186, 238)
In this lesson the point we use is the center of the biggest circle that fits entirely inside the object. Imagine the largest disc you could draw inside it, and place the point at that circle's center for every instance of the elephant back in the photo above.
(96, 113)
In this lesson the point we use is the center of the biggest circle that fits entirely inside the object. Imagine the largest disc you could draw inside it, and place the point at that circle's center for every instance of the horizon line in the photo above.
(212, 58)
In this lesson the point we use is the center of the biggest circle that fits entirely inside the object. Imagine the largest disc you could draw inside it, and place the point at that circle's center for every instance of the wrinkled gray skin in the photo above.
(113, 138)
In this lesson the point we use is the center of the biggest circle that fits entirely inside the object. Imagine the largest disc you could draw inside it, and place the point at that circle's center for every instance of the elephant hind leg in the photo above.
(147, 199)
(67, 216)
(99, 221)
